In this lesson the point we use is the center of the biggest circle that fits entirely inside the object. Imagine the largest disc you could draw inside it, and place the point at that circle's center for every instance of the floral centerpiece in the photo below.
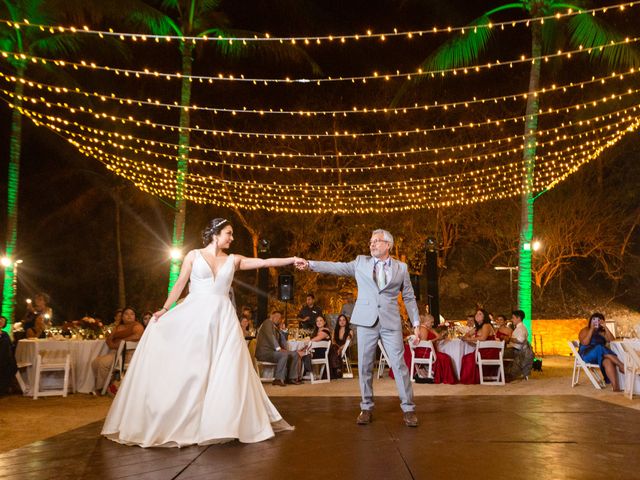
(446, 329)
(86, 328)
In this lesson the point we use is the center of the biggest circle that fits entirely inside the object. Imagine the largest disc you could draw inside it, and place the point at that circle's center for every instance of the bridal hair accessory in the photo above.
(222, 221)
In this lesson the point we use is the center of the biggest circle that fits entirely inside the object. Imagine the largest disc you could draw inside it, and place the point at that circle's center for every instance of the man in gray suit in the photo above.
(377, 316)
(271, 348)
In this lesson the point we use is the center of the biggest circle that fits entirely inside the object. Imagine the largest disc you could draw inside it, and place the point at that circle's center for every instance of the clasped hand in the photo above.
(301, 263)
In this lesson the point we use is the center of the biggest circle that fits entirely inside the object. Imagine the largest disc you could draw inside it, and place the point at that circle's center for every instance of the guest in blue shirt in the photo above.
(593, 349)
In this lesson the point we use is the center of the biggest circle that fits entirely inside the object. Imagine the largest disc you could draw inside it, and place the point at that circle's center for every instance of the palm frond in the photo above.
(463, 49)
(592, 33)
(551, 35)
(284, 53)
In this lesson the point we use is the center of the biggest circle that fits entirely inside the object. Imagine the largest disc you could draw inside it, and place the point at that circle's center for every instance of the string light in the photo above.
(314, 136)
(466, 103)
(353, 79)
(431, 183)
(493, 155)
(318, 40)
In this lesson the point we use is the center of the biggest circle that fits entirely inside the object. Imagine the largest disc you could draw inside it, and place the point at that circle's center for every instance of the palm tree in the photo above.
(200, 18)
(583, 29)
(29, 41)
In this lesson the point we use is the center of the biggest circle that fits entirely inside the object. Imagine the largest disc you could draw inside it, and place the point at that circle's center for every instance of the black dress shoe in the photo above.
(278, 383)
(410, 419)
(365, 417)
(295, 381)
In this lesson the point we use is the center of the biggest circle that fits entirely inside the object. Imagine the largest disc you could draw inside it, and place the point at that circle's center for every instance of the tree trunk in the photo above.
(122, 296)
(13, 177)
(177, 242)
(529, 161)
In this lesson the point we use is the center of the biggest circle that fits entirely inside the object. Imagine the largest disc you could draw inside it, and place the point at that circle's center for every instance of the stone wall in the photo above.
(554, 334)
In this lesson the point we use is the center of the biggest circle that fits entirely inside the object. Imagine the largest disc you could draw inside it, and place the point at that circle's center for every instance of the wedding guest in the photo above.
(128, 330)
(341, 332)
(35, 328)
(503, 332)
(443, 366)
(38, 317)
(309, 312)
(321, 333)
(593, 349)
(271, 348)
(519, 349)
(247, 314)
(7, 361)
(245, 324)
(350, 303)
(117, 317)
(482, 331)
(146, 318)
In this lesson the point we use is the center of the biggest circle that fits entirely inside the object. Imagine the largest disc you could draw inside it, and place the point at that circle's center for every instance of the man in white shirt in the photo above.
(519, 348)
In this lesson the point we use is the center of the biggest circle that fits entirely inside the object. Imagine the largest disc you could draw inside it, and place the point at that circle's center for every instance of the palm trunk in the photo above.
(13, 177)
(177, 242)
(529, 162)
(122, 298)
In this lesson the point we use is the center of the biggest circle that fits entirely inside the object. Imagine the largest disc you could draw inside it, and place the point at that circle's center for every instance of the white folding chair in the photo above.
(323, 362)
(591, 370)
(54, 360)
(611, 326)
(266, 371)
(430, 360)
(631, 366)
(482, 362)
(115, 365)
(23, 385)
(346, 361)
(384, 359)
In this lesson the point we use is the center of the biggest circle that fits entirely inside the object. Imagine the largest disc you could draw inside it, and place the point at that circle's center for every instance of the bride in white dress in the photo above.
(191, 379)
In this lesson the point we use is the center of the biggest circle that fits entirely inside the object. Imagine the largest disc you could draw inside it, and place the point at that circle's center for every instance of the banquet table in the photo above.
(616, 346)
(456, 349)
(82, 354)
(295, 345)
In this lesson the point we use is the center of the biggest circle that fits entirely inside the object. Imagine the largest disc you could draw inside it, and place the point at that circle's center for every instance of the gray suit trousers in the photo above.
(283, 359)
(394, 346)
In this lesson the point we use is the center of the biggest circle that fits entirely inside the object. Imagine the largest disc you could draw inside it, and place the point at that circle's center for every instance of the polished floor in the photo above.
(470, 437)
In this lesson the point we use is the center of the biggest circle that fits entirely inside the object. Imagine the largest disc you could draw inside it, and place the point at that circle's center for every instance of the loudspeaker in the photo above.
(285, 287)
(415, 283)
(433, 297)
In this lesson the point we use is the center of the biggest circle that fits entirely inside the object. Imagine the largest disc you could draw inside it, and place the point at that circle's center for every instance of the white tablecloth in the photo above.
(82, 354)
(295, 345)
(456, 349)
(616, 346)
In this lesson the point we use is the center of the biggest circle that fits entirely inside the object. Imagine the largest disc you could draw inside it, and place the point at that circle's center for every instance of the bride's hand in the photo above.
(156, 316)
(300, 263)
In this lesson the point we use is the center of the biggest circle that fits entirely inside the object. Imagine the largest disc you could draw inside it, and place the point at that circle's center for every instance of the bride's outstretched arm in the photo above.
(253, 263)
(181, 282)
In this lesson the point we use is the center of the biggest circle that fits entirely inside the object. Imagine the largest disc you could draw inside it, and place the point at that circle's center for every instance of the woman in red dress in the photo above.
(443, 367)
(503, 332)
(469, 373)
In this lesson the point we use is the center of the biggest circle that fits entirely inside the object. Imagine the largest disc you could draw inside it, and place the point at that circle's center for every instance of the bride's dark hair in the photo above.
(214, 227)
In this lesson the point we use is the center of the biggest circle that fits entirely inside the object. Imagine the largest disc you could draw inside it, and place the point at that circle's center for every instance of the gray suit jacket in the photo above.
(266, 340)
(373, 303)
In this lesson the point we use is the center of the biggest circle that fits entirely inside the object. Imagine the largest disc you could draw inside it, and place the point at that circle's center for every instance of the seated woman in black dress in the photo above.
(341, 333)
(321, 333)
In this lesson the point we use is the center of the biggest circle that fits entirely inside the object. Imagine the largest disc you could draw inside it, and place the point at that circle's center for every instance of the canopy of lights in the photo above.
(312, 147)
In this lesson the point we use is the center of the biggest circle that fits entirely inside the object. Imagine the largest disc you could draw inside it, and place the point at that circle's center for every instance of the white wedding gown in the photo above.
(191, 379)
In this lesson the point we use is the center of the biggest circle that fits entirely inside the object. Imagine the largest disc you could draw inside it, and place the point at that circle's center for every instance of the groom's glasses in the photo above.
(376, 241)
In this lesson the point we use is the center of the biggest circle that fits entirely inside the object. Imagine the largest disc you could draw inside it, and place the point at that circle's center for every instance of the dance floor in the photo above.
(479, 437)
